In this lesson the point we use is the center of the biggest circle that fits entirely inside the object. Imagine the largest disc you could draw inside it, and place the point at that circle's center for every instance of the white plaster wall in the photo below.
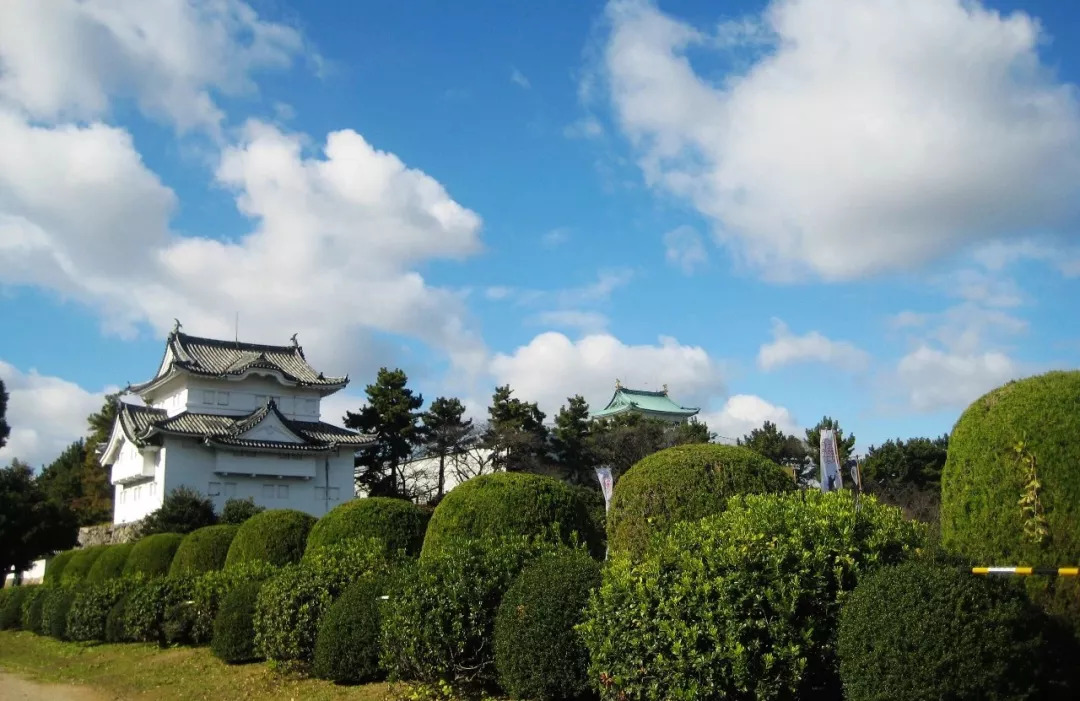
(34, 575)
(135, 500)
(246, 395)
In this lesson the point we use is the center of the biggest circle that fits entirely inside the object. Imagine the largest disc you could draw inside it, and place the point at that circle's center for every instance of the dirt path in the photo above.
(14, 688)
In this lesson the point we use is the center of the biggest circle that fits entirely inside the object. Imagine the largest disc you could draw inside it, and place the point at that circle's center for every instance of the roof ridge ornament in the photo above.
(618, 385)
(295, 343)
(176, 325)
(665, 388)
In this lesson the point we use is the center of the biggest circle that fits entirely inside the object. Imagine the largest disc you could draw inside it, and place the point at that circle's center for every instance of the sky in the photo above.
(781, 210)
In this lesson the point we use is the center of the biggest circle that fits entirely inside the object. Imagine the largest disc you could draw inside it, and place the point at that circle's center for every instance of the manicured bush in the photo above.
(11, 613)
(398, 523)
(90, 609)
(54, 611)
(236, 511)
(203, 550)
(277, 537)
(33, 601)
(511, 504)
(742, 604)
(439, 621)
(684, 483)
(234, 630)
(292, 603)
(347, 647)
(1031, 423)
(210, 588)
(80, 563)
(110, 564)
(152, 556)
(54, 568)
(924, 631)
(538, 653)
(115, 630)
(146, 606)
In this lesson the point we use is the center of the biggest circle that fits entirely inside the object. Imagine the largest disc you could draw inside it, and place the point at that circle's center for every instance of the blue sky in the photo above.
(782, 210)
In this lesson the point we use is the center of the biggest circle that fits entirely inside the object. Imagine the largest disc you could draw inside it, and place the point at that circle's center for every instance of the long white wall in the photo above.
(238, 397)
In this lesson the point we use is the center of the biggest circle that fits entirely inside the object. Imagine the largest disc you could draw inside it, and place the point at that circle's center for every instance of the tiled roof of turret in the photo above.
(644, 401)
(216, 358)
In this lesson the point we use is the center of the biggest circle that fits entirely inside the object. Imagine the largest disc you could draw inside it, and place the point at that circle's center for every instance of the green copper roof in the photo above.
(644, 402)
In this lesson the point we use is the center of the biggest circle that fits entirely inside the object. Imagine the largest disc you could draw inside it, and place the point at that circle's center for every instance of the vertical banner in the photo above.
(606, 484)
(831, 479)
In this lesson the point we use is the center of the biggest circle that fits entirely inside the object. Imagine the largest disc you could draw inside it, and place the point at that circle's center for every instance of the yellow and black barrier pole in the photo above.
(1025, 571)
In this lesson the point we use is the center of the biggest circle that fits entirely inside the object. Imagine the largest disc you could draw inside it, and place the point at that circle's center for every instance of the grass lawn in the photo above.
(134, 671)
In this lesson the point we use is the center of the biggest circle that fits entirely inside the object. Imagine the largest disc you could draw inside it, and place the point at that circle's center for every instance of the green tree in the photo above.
(622, 440)
(917, 461)
(62, 479)
(783, 449)
(844, 444)
(692, 431)
(183, 510)
(236, 511)
(95, 502)
(5, 430)
(445, 432)
(515, 433)
(570, 444)
(31, 526)
(392, 416)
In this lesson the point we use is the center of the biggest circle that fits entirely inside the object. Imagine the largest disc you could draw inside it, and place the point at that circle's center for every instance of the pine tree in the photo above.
(783, 449)
(692, 431)
(62, 479)
(445, 433)
(95, 502)
(5, 430)
(31, 525)
(391, 415)
(571, 446)
(515, 433)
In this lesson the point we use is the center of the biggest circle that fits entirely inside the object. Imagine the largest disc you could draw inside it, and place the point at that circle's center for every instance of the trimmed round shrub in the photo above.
(32, 604)
(146, 606)
(277, 537)
(742, 604)
(347, 647)
(538, 654)
(1028, 424)
(110, 564)
(203, 550)
(923, 631)
(11, 613)
(80, 563)
(399, 524)
(115, 630)
(292, 603)
(684, 483)
(236, 511)
(210, 588)
(234, 629)
(439, 621)
(152, 556)
(54, 568)
(511, 504)
(90, 609)
(54, 612)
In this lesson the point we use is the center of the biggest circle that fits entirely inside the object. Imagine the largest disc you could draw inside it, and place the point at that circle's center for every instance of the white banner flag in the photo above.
(606, 484)
(831, 478)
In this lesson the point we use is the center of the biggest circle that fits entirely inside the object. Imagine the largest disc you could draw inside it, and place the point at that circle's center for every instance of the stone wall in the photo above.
(107, 534)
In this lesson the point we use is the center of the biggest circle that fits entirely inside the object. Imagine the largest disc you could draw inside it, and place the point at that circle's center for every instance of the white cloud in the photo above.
(868, 136)
(685, 249)
(587, 127)
(933, 379)
(787, 349)
(743, 413)
(577, 319)
(518, 78)
(65, 59)
(45, 414)
(555, 237)
(985, 288)
(551, 367)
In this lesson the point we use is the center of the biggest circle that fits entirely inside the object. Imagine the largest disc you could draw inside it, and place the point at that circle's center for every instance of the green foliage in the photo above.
(62, 479)
(147, 604)
(844, 444)
(31, 526)
(292, 603)
(918, 462)
(236, 511)
(991, 509)
(95, 501)
(347, 646)
(510, 503)
(153, 555)
(183, 510)
(684, 483)
(570, 445)
(32, 603)
(397, 523)
(391, 415)
(210, 589)
(440, 618)
(54, 611)
(110, 564)
(11, 611)
(115, 630)
(234, 631)
(80, 564)
(54, 568)
(277, 537)
(742, 604)
(203, 550)
(515, 433)
(445, 432)
(538, 653)
(783, 449)
(91, 606)
(925, 631)
(623, 440)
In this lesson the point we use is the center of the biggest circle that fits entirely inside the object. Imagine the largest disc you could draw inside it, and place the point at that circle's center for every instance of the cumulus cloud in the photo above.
(787, 348)
(861, 137)
(552, 367)
(743, 413)
(45, 414)
(936, 379)
(66, 59)
(685, 249)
